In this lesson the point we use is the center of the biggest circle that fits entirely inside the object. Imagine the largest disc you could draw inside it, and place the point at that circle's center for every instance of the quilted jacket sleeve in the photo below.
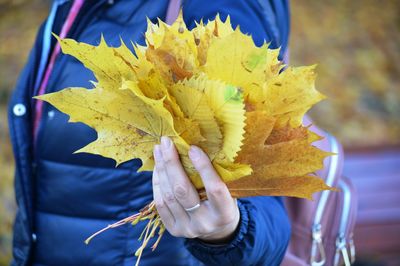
(261, 239)
(264, 229)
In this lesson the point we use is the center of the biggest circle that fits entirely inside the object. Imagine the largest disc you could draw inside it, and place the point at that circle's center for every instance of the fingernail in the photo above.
(165, 142)
(157, 153)
(194, 153)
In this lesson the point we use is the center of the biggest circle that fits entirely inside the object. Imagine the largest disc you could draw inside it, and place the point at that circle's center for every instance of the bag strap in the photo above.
(75, 8)
(333, 175)
(173, 9)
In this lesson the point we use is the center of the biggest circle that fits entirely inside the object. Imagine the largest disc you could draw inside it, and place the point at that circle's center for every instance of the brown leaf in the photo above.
(297, 186)
(281, 160)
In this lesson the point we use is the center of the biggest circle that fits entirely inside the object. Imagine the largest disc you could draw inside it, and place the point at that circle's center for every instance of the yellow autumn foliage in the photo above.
(210, 87)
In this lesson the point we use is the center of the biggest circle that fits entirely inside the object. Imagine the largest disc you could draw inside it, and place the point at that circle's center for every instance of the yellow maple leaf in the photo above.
(211, 87)
(133, 130)
(290, 95)
(203, 34)
(109, 65)
(155, 89)
(219, 108)
(172, 49)
(226, 59)
(296, 186)
(195, 106)
(118, 129)
(278, 155)
(226, 102)
(220, 28)
(236, 60)
(195, 84)
(199, 100)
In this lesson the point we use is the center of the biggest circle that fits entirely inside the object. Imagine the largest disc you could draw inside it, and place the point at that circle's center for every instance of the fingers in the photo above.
(173, 192)
(162, 209)
(167, 194)
(217, 192)
(182, 188)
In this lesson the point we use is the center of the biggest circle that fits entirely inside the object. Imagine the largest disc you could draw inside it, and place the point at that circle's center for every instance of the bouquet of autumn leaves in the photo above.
(210, 87)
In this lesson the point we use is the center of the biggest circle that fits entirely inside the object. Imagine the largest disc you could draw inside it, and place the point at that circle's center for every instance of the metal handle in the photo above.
(317, 248)
(341, 249)
(352, 250)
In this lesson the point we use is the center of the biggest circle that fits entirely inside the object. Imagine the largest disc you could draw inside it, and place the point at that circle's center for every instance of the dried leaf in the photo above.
(228, 59)
(132, 131)
(109, 65)
(210, 87)
(226, 102)
(118, 129)
(296, 186)
(291, 94)
(275, 155)
(195, 106)
(174, 52)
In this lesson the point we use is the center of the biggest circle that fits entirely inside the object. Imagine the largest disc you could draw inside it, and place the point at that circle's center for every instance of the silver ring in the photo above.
(195, 207)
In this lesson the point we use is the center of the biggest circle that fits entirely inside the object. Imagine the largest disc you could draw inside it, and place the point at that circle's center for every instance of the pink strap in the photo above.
(66, 27)
(174, 7)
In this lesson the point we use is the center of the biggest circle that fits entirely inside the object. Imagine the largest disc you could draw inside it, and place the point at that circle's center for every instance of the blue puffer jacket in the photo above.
(64, 198)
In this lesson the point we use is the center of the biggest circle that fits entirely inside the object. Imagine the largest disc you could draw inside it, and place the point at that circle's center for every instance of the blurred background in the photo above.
(357, 47)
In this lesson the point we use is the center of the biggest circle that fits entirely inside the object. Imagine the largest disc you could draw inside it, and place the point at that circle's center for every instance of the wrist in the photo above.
(226, 234)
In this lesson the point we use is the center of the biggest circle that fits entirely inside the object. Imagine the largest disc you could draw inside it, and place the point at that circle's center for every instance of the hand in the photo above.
(217, 218)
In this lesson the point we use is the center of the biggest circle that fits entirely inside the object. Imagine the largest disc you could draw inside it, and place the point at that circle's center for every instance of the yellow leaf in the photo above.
(228, 172)
(156, 90)
(119, 133)
(142, 67)
(210, 87)
(291, 94)
(278, 155)
(226, 102)
(202, 99)
(110, 65)
(203, 35)
(227, 57)
(154, 34)
(159, 35)
(288, 133)
(147, 165)
(231, 171)
(168, 66)
(173, 52)
(297, 186)
(195, 106)
(220, 28)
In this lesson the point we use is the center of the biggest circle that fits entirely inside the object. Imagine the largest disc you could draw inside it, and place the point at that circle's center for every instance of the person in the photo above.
(63, 197)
